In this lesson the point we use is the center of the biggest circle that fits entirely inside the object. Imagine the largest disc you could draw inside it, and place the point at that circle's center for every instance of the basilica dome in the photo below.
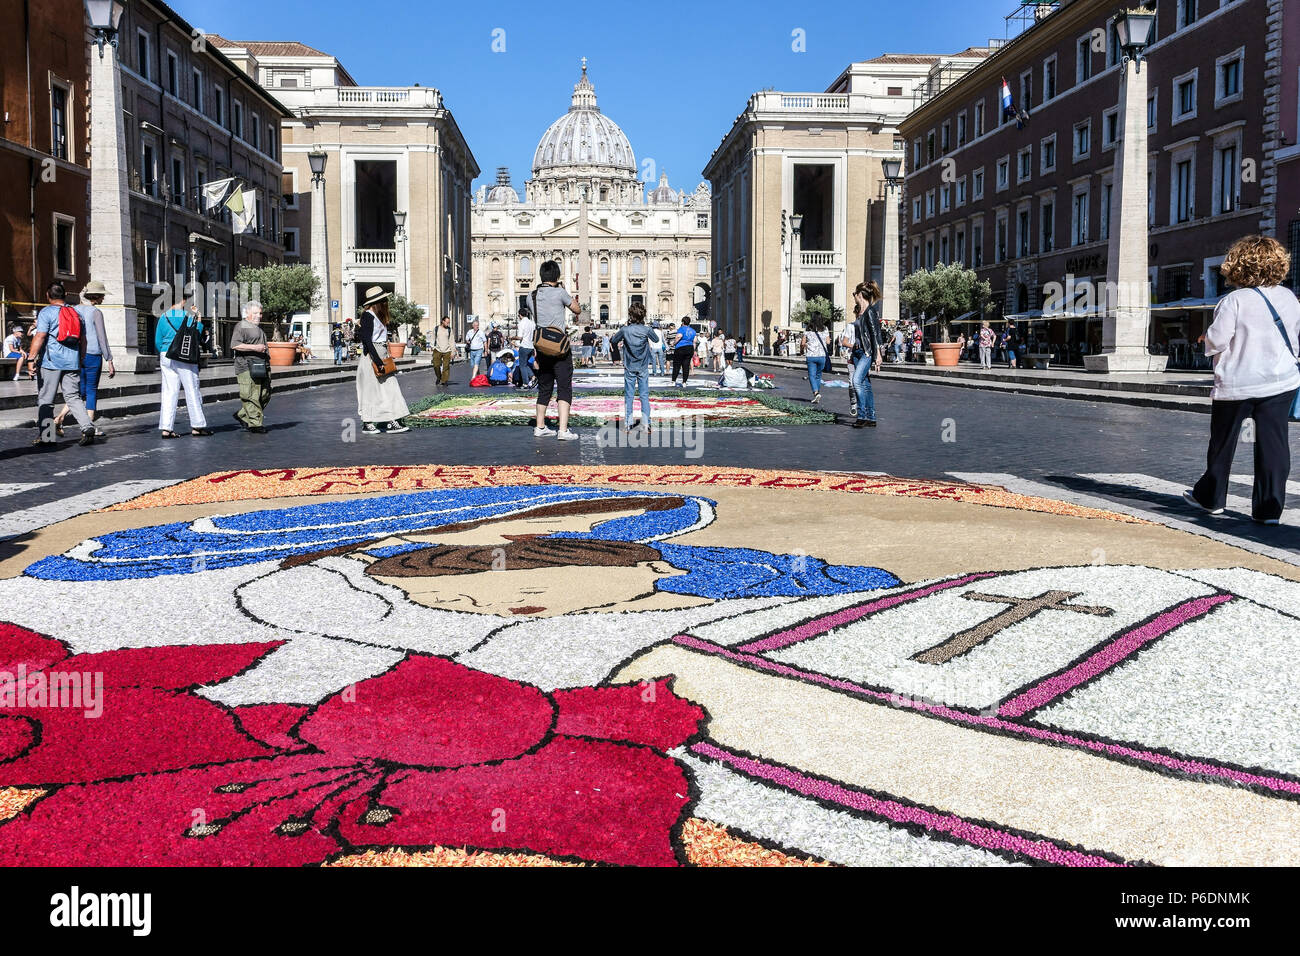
(583, 137)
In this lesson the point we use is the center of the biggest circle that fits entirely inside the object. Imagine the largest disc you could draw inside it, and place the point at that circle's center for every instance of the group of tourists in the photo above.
(861, 342)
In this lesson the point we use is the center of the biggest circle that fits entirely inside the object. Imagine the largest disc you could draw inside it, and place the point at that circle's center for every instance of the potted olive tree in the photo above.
(402, 311)
(819, 314)
(945, 292)
(282, 290)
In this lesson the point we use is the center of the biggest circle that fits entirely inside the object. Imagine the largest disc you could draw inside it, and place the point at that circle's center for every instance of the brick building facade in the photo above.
(1026, 203)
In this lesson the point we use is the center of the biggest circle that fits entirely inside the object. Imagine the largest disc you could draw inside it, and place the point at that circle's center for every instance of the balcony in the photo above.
(372, 258)
(361, 100)
(844, 104)
(819, 260)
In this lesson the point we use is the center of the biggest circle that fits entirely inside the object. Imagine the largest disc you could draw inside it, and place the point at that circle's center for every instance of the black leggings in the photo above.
(682, 356)
(1272, 453)
(554, 373)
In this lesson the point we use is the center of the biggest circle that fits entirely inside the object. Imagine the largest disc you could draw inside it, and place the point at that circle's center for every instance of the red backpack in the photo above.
(69, 335)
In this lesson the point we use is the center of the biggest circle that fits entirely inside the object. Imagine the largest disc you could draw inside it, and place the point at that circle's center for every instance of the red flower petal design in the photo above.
(644, 713)
(596, 800)
(16, 735)
(228, 815)
(170, 667)
(271, 723)
(21, 646)
(431, 712)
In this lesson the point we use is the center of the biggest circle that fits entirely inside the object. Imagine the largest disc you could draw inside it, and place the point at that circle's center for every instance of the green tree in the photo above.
(817, 314)
(282, 290)
(945, 292)
(402, 311)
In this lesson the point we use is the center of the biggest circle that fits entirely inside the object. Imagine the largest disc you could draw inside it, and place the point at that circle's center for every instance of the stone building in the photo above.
(44, 151)
(636, 247)
(388, 150)
(817, 155)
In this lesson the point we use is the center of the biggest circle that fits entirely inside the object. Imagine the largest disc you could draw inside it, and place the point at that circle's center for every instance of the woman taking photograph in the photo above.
(1253, 342)
(379, 400)
(551, 305)
(865, 354)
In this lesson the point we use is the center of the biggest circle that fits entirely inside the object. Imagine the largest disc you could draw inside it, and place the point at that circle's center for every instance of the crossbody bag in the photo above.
(1277, 321)
(553, 343)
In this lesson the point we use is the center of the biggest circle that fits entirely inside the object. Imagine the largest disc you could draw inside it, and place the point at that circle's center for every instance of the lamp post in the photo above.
(322, 315)
(1127, 317)
(111, 260)
(399, 219)
(892, 167)
(796, 231)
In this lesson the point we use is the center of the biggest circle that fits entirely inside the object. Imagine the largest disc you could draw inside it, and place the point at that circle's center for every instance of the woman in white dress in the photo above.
(379, 400)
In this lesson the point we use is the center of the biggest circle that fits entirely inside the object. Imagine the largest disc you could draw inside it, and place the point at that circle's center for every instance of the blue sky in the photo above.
(674, 75)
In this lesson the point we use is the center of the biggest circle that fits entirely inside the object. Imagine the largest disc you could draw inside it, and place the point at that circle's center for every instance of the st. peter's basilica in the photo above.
(652, 248)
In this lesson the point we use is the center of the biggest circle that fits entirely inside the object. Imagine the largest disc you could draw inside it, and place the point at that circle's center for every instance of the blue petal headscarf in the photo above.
(236, 540)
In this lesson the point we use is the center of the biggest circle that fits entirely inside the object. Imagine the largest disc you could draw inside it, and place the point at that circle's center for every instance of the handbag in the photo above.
(830, 366)
(1277, 321)
(185, 344)
(384, 368)
(553, 343)
(259, 369)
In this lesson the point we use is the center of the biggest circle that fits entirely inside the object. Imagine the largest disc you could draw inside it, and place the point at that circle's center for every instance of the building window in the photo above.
(525, 266)
(943, 249)
(1228, 87)
(257, 131)
(959, 248)
(219, 106)
(148, 168)
(604, 266)
(945, 198)
(173, 74)
(929, 146)
(1103, 226)
(1185, 97)
(976, 246)
(916, 209)
(65, 261)
(1184, 189)
(59, 121)
(1001, 252)
(1048, 157)
(929, 253)
(702, 220)
(961, 191)
(1079, 218)
(929, 204)
(178, 267)
(916, 154)
(1151, 112)
(638, 266)
(1022, 233)
(1049, 83)
(1047, 240)
(946, 137)
(961, 129)
(916, 257)
(291, 243)
(237, 119)
(979, 119)
(1110, 128)
(701, 266)
(977, 184)
(1113, 52)
(1025, 164)
(196, 91)
(1187, 12)
(1227, 178)
(151, 263)
(1083, 59)
(1004, 173)
(178, 181)
(1151, 197)
(142, 57)
(1083, 139)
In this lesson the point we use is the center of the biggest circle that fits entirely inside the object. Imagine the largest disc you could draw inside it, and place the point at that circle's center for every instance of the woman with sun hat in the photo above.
(379, 399)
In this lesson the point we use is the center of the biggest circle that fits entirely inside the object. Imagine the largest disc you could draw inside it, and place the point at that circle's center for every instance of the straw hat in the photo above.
(375, 294)
(94, 288)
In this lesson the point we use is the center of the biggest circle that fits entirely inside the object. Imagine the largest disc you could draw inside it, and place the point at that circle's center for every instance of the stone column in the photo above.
(1125, 327)
(111, 261)
(890, 262)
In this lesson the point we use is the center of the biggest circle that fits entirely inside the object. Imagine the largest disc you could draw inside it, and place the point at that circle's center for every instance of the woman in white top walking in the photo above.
(1253, 340)
(379, 400)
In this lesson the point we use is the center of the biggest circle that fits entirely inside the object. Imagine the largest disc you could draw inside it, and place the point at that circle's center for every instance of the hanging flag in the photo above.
(245, 219)
(235, 202)
(1008, 105)
(214, 193)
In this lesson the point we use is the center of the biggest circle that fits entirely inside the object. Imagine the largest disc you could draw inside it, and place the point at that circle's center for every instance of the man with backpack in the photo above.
(60, 333)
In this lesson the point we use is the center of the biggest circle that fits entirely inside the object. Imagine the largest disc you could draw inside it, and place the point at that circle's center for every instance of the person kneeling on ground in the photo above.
(246, 340)
(636, 338)
(734, 375)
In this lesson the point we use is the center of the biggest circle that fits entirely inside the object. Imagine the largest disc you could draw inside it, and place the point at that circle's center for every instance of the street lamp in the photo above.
(105, 16)
(399, 219)
(1133, 28)
(892, 168)
(317, 161)
(796, 230)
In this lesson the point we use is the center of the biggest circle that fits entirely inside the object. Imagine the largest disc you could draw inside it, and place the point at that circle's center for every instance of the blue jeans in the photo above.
(91, 367)
(657, 364)
(525, 360)
(861, 383)
(475, 356)
(816, 365)
(636, 381)
(338, 355)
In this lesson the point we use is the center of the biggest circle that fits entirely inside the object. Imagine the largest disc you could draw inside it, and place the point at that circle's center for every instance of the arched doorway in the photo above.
(604, 315)
(702, 297)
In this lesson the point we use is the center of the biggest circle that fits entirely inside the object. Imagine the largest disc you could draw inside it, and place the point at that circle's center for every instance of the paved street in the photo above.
(1137, 457)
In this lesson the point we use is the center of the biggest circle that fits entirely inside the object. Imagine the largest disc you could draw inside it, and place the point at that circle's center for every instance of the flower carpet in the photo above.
(597, 406)
(652, 666)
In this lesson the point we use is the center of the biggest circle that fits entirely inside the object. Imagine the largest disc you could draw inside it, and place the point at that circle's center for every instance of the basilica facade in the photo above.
(635, 246)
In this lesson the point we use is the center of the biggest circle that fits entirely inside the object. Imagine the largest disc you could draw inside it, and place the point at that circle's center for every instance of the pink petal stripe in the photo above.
(1122, 647)
(1193, 767)
(976, 834)
(820, 625)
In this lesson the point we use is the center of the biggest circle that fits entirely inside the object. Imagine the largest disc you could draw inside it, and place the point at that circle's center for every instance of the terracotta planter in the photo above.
(396, 349)
(946, 354)
(281, 353)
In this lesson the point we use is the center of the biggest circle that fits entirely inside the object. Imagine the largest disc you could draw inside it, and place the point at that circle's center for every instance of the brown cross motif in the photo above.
(1021, 609)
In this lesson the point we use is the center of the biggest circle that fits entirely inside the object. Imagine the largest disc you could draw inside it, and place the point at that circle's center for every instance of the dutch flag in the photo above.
(1008, 106)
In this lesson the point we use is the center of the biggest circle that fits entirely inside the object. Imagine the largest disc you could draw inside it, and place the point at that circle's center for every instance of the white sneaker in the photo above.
(543, 432)
(1191, 500)
(566, 435)
(395, 428)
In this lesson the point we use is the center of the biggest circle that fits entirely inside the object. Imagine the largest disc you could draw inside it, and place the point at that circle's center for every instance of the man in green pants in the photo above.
(248, 338)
